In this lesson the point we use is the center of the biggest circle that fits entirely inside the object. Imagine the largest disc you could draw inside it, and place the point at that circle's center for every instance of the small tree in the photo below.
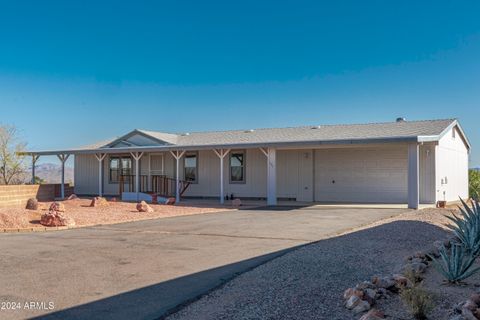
(474, 183)
(12, 165)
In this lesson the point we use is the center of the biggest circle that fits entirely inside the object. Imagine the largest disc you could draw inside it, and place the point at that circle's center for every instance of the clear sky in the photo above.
(73, 72)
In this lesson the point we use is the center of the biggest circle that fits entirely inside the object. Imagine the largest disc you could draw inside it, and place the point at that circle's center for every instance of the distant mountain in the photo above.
(52, 173)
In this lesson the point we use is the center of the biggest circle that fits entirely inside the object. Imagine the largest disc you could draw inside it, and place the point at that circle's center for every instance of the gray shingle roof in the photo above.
(324, 133)
(425, 130)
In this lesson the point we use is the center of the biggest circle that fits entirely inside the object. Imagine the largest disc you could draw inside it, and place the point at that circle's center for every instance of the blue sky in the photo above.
(72, 72)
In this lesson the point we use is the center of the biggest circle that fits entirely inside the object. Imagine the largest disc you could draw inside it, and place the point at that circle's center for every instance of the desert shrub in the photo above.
(466, 227)
(418, 300)
(474, 184)
(455, 265)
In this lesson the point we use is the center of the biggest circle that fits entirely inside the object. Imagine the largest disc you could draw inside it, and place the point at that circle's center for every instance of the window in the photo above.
(237, 167)
(119, 166)
(190, 167)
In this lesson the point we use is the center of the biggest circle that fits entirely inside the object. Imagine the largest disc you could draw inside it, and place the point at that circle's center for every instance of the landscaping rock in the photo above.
(362, 306)
(32, 204)
(385, 282)
(72, 197)
(414, 268)
(352, 302)
(475, 298)
(170, 201)
(144, 207)
(57, 206)
(236, 202)
(373, 314)
(56, 219)
(99, 202)
(470, 305)
(402, 282)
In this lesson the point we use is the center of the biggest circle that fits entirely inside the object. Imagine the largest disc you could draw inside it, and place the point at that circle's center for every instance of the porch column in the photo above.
(177, 155)
(34, 161)
(413, 176)
(271, 154)
(221, 153)
(100, 157)
(63, 158)
(136, 156)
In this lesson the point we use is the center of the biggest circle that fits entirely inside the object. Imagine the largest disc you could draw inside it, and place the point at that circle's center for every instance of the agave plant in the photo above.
(466, 227)
(456, 265)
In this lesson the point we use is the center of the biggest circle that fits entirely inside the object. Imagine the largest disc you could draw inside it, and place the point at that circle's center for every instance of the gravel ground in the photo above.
(308, 283)
(83, 214)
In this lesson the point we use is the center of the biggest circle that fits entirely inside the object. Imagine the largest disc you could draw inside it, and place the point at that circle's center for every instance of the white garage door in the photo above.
(374, 175)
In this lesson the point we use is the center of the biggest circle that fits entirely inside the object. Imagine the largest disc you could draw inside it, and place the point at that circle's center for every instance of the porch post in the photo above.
(34, 161)
(413, 176)
(63, 158)
(177, 155)
(137, 156)
(100, 157)
(222, 153)
(271, 155)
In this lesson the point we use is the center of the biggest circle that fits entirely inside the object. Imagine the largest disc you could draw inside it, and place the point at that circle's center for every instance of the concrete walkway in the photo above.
(142, 270)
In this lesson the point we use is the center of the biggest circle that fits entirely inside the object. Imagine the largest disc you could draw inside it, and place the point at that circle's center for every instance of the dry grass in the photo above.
(84, 215)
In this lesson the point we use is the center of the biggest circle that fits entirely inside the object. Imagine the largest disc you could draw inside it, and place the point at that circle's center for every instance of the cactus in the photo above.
(466, 227)
(456, 265)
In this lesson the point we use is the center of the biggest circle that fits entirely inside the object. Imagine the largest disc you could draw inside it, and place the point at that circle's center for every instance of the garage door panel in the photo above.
(361, 175)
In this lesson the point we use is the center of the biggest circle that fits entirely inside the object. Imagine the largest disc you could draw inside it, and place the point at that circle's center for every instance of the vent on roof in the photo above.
(401, 119)
(186, 134)
(249, 131)
(316, 127)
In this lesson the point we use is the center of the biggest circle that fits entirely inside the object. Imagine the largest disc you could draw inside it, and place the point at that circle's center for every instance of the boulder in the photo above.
(56, 219)
(373, 314)
(32, 204)
(144, 207)
(170, 201)
(57, 206)
(402, 282)
(73, 196)
(352, 302)
(99, 202)
(362, 306)
(236, 202)
(385, 282)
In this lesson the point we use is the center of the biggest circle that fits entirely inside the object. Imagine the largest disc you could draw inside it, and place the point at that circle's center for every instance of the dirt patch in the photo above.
(84, 215)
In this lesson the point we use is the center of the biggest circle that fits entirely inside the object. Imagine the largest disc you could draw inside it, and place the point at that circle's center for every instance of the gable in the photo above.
(136, 139)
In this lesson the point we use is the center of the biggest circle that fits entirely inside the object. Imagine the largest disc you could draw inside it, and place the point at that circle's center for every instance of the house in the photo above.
(395, 162)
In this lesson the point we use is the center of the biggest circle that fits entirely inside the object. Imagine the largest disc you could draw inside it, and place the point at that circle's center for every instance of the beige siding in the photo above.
(86, 174)
(361, 174)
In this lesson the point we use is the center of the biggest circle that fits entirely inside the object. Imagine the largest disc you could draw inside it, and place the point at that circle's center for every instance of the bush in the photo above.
(466, 227)
(456, 265)
(474, 184)
(418, 300)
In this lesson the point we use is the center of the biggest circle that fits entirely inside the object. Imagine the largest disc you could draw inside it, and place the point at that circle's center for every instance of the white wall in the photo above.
(451, 167)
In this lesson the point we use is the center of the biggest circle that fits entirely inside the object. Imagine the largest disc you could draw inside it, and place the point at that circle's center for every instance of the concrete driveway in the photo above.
(142, 270)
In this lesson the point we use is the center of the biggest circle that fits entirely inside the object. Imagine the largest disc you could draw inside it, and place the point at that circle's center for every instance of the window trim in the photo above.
(244, 181)
(120, 167)
(191, 153)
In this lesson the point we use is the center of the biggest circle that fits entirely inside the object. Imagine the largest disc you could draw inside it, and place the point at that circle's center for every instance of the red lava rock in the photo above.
(144, 207)
(99, 202)
(56, 219)
(236, 202)
(170, 201)
(57, 206)
(32, 204)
